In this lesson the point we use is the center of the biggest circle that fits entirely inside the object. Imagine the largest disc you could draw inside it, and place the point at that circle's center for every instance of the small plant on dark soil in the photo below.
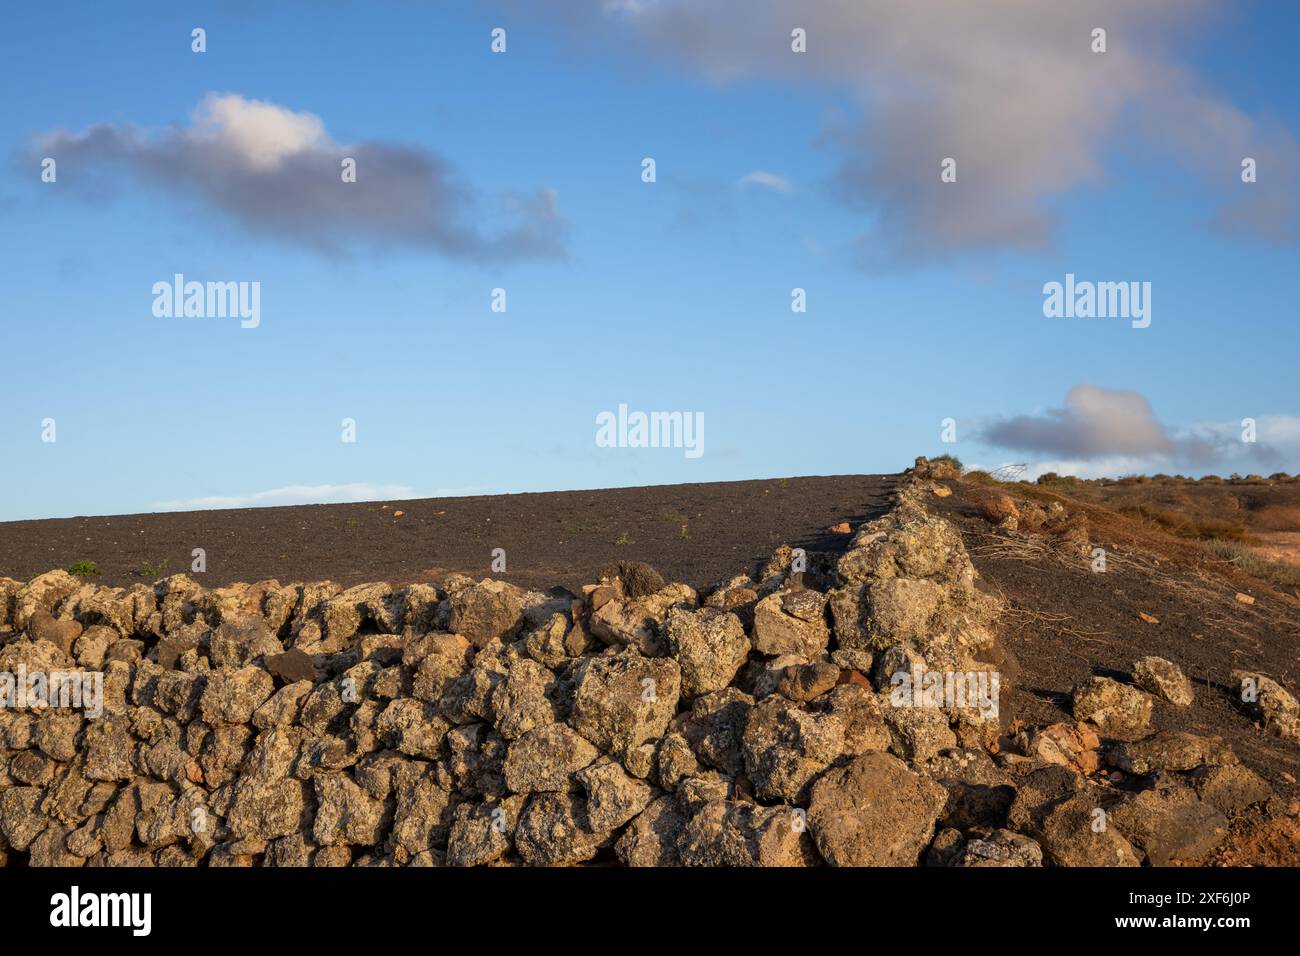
(153, 571)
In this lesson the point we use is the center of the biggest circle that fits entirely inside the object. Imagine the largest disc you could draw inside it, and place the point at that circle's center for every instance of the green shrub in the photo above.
(153, 571)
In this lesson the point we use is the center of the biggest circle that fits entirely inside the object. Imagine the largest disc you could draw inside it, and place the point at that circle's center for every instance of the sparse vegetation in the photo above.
(1248, 561)
(84, 569)
(623, 539)
(978, 477)
(586, 529)
(1062, 482)
(153, 571)
(1188, 525)
(950, 459)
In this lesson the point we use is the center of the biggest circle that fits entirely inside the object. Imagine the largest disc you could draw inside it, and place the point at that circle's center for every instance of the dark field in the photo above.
(697, 534)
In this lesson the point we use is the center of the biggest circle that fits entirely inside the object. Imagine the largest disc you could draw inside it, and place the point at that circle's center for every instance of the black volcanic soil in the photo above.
(697, 534)
(1065, 622)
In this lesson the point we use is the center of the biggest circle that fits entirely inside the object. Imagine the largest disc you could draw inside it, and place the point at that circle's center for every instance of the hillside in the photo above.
(353, 684)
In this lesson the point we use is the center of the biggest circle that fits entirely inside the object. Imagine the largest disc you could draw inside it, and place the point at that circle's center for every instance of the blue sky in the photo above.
(672, 295)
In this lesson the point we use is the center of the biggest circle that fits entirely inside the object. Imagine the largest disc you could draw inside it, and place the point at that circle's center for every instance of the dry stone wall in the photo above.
(791, 717)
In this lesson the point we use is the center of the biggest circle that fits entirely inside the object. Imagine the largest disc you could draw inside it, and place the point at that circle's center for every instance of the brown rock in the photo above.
(1164, 679)
(791, 622)
(292, 666)
(61, 633)
(1118, 710)
(998, 507)
(874, 811)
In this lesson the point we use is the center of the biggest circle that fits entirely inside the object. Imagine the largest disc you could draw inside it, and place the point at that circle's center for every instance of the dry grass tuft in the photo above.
(1248, 561)
(1188, 525)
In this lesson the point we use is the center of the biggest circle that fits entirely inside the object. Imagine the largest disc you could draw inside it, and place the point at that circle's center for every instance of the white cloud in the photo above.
(1116, 466)
(766, 180)
(261, 134)
(294, 495)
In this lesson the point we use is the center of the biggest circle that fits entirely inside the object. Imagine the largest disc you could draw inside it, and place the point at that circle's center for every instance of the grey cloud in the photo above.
(1011, 90)
(277, 173)
(1098, 423)
(1094, 422)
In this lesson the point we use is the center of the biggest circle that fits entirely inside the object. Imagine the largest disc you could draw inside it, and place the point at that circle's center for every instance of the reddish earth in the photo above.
(1065, 622)
(1280, 546)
